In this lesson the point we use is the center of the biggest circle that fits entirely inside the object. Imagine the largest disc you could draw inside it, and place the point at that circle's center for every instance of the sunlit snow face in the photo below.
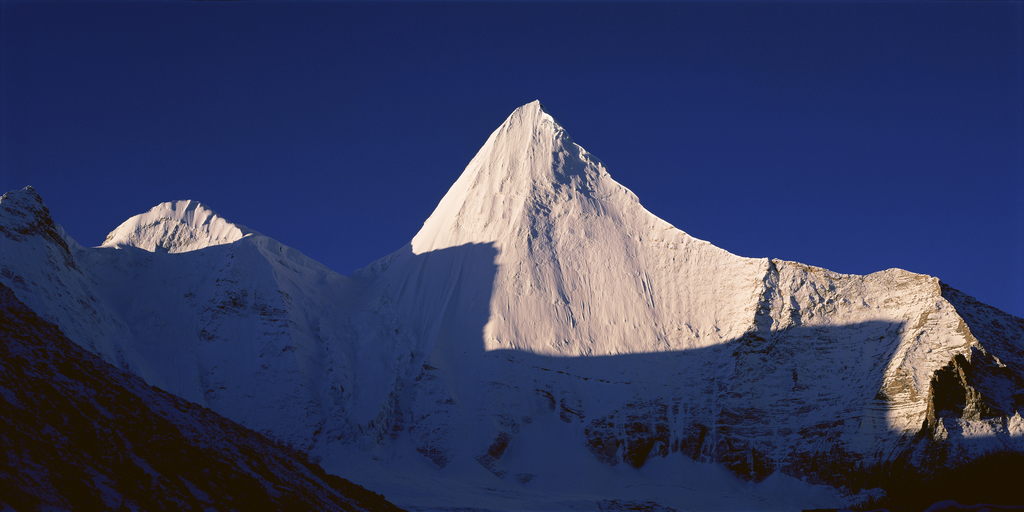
(575, 255)
(177, 226)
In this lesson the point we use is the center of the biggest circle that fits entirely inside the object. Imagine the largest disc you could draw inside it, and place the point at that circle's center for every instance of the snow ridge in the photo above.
(176, 226)
(527, 160)
(581, 267)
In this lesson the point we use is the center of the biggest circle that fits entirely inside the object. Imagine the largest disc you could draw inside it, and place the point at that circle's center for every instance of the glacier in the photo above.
(543, 342)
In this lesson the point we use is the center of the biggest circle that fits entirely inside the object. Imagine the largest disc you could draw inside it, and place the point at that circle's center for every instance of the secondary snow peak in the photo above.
(176, 226)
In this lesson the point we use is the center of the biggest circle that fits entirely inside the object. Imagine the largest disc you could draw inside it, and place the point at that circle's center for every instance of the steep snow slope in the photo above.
(577, 249)
(78, 434)
(212, 312)
(37, 262)
(542, 324)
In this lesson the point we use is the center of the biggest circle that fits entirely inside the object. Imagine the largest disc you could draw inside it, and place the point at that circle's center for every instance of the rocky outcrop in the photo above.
(951, 394)
(25, 215)
(632, 434)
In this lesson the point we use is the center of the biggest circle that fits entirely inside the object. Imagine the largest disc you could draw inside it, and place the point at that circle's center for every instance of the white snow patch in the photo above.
(176, 226)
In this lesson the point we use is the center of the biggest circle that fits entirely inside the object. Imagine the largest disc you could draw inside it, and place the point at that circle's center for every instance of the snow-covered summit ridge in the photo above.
(579, 266)
(528, 164)
(174, 227)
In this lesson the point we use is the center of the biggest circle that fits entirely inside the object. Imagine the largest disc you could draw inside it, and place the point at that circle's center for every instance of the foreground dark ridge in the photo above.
(79, 434)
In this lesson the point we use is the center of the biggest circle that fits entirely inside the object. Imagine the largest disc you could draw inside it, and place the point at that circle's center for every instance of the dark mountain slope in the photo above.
(79, 434)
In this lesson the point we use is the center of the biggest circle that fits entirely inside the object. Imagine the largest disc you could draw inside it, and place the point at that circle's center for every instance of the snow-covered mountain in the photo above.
(78, 434)
(543, 341)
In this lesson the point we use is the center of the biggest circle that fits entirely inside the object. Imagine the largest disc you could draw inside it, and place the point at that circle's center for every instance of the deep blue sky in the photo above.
(853, 136)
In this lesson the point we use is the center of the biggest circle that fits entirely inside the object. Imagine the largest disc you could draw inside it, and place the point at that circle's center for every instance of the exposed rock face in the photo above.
(952, 396)
(79, 434)
(635, 433)
(541, 318)
(27, 216)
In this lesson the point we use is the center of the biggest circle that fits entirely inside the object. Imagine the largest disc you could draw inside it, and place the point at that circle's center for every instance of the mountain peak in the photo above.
(527, 164)
(23, 214)
(564, 242)
(533, 111)
(25, 200)
(176, 226)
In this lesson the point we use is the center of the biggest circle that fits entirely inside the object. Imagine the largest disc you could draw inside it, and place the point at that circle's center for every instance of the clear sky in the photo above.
(856, 136)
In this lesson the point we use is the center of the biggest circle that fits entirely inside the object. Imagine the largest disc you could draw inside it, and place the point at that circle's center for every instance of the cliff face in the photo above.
(541, 322)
